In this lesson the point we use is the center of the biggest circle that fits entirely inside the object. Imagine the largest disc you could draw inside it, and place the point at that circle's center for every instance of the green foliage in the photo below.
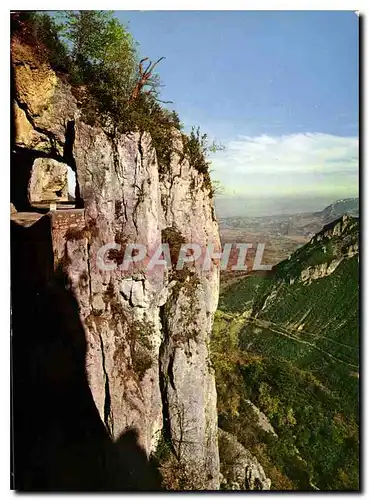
(227, 358)
(305, 416)
(164, 448)
(103, 57)
(243, 293)
(141, 347)
(196, 149)
(173, 237)
(300, 344)
(43, 33)
(146, 114)
(97, 37)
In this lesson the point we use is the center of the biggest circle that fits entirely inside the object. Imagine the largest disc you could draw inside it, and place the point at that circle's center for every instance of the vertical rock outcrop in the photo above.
(147, 331)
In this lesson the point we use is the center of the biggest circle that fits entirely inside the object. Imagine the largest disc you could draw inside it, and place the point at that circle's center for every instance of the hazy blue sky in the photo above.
(278, 89)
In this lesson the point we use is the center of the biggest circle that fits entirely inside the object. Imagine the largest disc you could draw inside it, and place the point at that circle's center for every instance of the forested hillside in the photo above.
(292, 341)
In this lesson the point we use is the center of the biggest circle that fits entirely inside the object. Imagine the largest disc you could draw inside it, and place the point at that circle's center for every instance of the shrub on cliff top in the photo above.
(112, 86)
(103, 56)
(196, 149)
(40, 30)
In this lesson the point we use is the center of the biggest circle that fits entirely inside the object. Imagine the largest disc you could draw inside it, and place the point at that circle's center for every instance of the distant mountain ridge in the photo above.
(348, 206)
(303, 224)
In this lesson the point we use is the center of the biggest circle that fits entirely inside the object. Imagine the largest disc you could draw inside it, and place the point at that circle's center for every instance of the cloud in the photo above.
(289, 164)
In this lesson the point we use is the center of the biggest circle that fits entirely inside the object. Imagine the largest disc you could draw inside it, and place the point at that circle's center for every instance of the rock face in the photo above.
(147, 331)
(321, 271)
(42, 104)
(336, 228)
(49, 181)
(239, 468)
(262, 420)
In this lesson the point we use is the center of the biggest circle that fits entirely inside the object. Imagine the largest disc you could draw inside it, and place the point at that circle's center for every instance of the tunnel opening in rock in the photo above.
(71, 178)
(48, 182)
(73, 184)
(20, 172)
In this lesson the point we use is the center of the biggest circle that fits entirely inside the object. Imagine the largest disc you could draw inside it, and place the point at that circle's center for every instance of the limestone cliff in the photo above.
(147, 334)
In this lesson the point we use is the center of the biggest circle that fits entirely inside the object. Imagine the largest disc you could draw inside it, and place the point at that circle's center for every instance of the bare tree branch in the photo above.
(145, 75)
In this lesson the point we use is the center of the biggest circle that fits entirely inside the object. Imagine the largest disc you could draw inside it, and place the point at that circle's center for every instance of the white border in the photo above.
(194, 5)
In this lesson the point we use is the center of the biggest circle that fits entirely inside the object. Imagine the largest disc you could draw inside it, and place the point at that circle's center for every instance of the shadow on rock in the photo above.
(59, 440)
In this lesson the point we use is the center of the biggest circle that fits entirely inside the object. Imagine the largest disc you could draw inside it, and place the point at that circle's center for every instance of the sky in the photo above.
(278, 89)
